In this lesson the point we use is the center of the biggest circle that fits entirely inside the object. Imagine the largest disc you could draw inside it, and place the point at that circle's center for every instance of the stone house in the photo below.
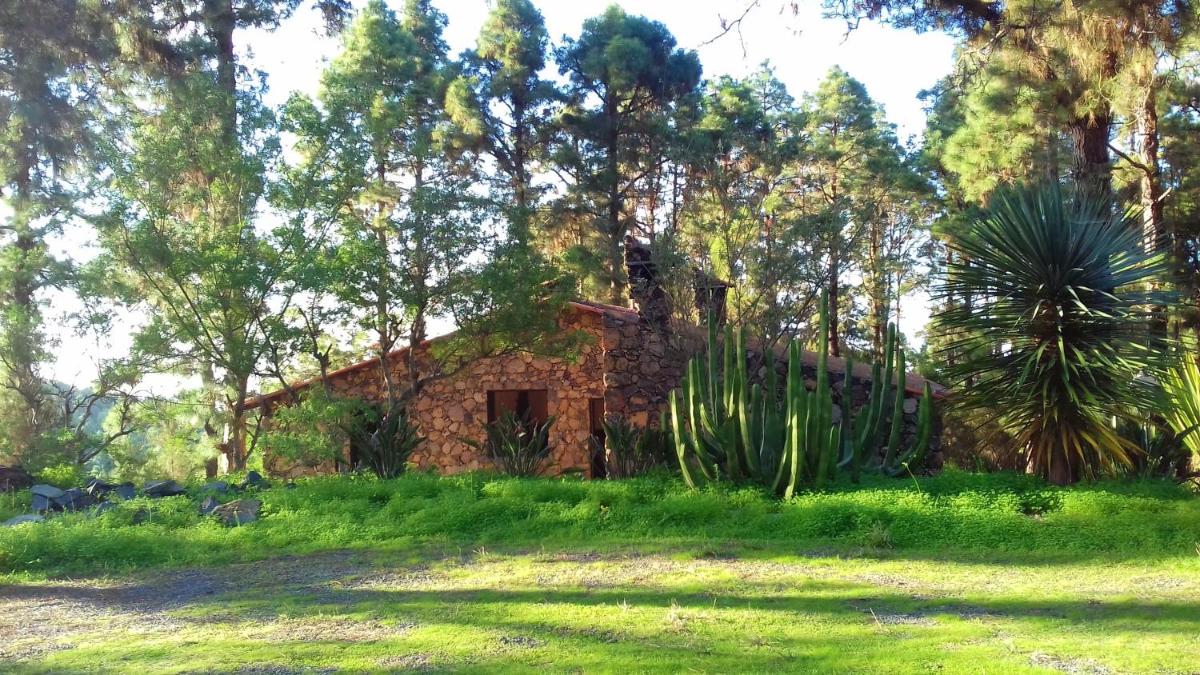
(626, 367)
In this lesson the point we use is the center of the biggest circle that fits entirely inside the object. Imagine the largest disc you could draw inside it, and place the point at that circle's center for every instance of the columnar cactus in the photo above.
(726, 428)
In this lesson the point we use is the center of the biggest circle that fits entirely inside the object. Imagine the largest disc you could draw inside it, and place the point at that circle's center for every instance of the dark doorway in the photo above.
(596, 414)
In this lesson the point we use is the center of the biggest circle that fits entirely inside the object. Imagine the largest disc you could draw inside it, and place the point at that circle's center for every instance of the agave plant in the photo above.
(1056, 334)
(631, 450)
(386, 448)
(517, 445)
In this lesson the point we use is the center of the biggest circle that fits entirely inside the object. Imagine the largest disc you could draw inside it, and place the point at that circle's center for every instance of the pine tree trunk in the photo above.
(1092, 169)
(835, 270)
(520, 227)
(616, 232)
(24, 319)
(1154, 234)
(220, 22)
(878, 291)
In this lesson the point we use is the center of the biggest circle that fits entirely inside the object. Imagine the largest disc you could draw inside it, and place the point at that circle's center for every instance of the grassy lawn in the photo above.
(961, 573)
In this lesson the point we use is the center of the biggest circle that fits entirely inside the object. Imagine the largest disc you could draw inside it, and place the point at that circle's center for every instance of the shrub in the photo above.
(63, 475)
(631, 451)
(386, 449)
(1056, 336)
(316, 429)
(518, 446)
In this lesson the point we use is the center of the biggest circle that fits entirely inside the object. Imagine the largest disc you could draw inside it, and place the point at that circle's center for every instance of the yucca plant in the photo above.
(518, 446)
(1181, 384)
(1056, 335)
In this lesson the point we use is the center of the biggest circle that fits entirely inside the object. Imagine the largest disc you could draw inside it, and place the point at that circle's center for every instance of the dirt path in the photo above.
(41, 618)
(577, 611)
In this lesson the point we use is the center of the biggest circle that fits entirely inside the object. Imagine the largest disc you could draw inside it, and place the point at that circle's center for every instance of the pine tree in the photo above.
(625, 75)
(502, 104)
(848, 149)
(52, 54)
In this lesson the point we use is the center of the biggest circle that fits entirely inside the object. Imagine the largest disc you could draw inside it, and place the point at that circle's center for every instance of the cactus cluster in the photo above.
(784, 437)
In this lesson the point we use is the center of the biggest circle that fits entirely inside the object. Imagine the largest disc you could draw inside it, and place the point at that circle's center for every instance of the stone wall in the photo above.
(643, 362)
(452, 410)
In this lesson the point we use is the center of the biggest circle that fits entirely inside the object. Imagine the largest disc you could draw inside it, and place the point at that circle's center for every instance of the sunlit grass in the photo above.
(597, 610)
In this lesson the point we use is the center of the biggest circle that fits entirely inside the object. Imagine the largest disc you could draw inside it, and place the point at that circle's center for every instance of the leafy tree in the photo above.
(409, 240)
(189, 176)
(625, 76)
(181, 233)
(502, 104)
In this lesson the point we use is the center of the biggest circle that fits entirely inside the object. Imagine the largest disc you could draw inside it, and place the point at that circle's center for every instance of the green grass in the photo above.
(955, 515)
(958, 573)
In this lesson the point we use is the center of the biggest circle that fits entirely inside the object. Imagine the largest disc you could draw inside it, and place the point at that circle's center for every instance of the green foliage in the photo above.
(626, 80)
(1182, 386)
(1056, 339)
(63, 476)
(170, 441)
(727, 428)
(518, 446)
(743, 222)
(385, 447)
(317, 429)
(502, 106)
(47, 131)
(978, 514)
(632, 451)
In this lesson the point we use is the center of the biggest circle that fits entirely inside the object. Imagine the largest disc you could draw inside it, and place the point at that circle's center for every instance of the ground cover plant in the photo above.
(955, 514)
(483, 572)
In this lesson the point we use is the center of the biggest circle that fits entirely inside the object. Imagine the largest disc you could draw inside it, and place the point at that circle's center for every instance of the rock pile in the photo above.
(97, 496)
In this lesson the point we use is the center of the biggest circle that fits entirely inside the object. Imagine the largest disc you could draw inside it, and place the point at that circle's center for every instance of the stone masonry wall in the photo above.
(630, 363)
(452, 410)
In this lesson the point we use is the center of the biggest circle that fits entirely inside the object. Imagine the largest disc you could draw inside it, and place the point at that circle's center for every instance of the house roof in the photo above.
(913, 383)
(589, 307)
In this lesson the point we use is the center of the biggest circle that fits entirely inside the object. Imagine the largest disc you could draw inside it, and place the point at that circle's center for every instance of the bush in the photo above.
(518, 446)
(1059, 285)
(63, 476)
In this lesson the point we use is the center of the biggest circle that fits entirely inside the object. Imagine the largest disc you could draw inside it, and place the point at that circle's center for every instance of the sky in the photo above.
(894, 65)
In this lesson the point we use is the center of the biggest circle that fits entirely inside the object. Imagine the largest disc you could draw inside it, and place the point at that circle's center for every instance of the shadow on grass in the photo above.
(702, 622)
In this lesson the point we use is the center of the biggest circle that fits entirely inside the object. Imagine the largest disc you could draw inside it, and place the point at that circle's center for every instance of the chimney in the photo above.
(710, 297)
(645, 287)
